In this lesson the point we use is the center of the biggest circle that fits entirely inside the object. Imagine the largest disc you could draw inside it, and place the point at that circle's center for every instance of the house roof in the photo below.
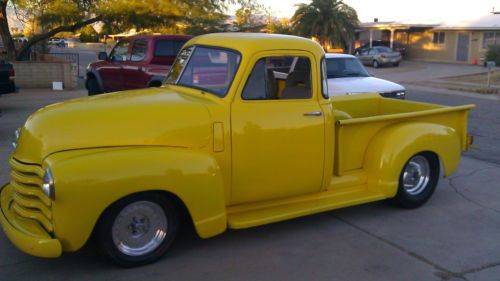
(491, 21)
(488, 22)
(396, 24)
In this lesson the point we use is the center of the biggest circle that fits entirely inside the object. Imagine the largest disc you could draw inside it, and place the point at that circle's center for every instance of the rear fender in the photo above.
(88, 181)
(393, 146)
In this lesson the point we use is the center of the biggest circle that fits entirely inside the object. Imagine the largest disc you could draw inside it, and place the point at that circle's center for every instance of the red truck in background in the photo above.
(135, 62)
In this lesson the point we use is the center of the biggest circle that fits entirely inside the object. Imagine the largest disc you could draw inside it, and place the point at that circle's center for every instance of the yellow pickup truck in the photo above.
(233, 139)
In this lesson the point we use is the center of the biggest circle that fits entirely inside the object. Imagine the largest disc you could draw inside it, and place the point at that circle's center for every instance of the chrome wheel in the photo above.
(416, 175)
(139, 228)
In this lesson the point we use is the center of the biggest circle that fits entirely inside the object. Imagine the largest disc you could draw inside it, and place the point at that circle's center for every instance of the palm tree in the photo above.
(332, 22)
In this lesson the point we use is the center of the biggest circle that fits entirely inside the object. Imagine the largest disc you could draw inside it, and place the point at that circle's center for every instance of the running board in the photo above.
(249, 215)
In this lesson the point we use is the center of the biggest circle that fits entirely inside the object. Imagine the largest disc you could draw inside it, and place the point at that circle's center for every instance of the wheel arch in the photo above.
(191, 178)
(156, 81)
(94, 74)
(391, 148)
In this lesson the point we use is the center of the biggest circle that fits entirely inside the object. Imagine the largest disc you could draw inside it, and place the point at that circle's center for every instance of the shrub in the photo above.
(88, 34)
(493, 54)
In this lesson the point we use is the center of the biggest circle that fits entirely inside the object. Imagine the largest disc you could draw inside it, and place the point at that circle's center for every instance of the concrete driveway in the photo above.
(415, 71)
(453, 237)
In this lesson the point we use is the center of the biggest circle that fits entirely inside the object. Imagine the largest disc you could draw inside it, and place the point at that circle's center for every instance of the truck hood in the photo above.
(154, 116)
(356, 85)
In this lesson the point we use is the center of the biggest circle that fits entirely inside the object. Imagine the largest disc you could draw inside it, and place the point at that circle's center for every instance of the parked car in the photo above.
(377, 43)
(229, 151)
(135, 62)
(7, 78)
(378, 56)
(347, 76)
(58, 42)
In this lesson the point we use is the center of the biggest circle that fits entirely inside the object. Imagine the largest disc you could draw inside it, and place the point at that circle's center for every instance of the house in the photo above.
(458, 42)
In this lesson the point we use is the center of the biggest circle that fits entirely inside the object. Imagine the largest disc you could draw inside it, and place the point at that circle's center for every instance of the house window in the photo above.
(438, 38)
(491, 38)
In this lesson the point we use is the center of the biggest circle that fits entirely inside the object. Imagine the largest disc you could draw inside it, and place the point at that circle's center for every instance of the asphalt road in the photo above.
(484, 121)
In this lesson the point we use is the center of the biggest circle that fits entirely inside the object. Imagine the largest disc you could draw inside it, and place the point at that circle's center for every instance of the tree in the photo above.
(47, 17)
(331, 21)
(7, 40)
(250, 17)
(50, 17)
(282, 26)
(88, 34)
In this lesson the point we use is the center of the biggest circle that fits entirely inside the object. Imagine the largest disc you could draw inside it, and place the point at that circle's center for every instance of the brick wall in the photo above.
(41, 74)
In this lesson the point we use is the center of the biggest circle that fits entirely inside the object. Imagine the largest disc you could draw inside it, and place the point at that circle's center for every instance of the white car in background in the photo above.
(347, 76)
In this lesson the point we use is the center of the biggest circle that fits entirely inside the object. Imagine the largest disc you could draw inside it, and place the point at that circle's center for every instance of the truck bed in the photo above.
(359, 118)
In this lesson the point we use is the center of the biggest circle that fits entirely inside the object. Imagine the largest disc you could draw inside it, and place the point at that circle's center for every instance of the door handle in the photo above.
(314, 113)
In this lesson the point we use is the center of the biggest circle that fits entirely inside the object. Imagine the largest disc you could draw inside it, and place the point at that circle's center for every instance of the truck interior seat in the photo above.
(297, 86)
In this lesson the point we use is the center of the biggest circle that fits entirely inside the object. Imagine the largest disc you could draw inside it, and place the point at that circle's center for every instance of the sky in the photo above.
(425, 11)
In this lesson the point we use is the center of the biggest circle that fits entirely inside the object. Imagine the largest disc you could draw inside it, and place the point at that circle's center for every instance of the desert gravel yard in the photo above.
(455, 236)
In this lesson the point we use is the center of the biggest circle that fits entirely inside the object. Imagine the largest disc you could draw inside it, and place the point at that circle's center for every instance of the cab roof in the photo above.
(251, 43)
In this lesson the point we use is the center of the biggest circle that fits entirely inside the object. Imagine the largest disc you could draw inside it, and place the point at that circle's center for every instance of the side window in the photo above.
(268, 82)
(119, 52)
(168, 48)
(372, 52)
(164, 48)
(255, 88)
(139, 50)
(177, 46)
(438, 38)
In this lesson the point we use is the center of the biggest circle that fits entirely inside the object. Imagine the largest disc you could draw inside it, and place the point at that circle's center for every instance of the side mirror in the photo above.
(102, 56)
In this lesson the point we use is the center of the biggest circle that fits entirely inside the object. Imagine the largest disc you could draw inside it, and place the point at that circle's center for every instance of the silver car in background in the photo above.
(378, 56)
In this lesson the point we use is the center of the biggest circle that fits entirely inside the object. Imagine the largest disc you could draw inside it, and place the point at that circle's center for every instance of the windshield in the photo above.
(208, 69)
(345, 67)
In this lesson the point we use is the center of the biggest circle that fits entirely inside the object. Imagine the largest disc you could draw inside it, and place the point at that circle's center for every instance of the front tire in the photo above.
(417, 181)
(138, 229)
(93, 87)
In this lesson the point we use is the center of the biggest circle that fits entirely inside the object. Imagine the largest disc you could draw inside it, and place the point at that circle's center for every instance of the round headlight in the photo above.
(15, 138)
(48, 187)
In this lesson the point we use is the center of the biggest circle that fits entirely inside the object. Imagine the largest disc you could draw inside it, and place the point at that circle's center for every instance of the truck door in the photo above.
(134, 70)
(111, 70)
(277, 134)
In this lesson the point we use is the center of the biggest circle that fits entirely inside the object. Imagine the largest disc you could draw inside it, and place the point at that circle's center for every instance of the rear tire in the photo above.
(138, 229)
(417, 181)
(93, 87)
(155, 84)
(375, 64)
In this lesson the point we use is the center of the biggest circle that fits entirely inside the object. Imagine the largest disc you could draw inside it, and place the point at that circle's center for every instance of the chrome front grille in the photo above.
(28, 199)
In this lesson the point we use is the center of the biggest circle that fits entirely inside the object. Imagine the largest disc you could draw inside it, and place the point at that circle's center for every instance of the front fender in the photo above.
(393, 146)
(88, 181)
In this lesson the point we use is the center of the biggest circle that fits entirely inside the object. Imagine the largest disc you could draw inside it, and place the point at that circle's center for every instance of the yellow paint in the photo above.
(232, 162)
(218, 137)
